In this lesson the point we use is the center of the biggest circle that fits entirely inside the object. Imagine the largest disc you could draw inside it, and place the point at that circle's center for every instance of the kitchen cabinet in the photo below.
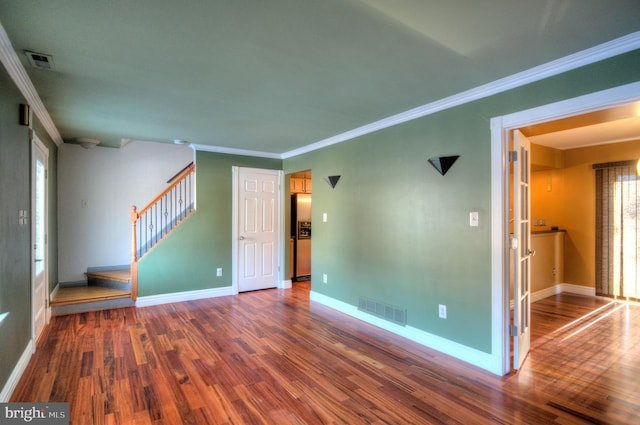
(300, 185)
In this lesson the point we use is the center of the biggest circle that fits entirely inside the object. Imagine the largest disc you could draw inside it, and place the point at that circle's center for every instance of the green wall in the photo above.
(398, 232)
(15, 239)
(188, 258)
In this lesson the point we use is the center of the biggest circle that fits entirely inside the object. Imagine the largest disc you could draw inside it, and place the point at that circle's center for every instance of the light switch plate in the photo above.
(474, 219)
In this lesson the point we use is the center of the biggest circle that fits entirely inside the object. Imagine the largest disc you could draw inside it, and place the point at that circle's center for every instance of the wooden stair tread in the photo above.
(83, 294)
(115, 275)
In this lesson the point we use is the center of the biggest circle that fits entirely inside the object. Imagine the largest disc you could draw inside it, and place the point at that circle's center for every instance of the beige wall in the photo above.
(565, 197)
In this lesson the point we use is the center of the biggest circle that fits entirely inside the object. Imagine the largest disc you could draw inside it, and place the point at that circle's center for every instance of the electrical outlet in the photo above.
(442, 311)
(219, 271)
(324, 278)
(324, 217)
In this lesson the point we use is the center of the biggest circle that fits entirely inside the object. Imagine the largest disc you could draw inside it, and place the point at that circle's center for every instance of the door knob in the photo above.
(241, 238)
(531, 252)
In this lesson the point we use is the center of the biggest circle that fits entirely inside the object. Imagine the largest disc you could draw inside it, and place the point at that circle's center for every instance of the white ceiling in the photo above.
(275, 76)
(619, 124)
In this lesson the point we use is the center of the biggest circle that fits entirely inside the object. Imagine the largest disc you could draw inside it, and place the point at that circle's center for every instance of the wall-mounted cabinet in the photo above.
(299, 185)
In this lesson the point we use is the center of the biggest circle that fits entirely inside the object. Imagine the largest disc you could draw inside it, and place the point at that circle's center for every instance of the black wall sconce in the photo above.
(332, 180)
(25, 114)
(443, 163)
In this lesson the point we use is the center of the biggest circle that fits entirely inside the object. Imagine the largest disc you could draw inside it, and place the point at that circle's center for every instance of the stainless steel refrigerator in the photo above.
(301, 235)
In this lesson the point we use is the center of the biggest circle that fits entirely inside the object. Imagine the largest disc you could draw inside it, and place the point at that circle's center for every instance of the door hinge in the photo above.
(513, 156)
(513, 330)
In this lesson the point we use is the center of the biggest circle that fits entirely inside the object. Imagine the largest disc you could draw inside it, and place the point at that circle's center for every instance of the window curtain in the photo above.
(617, 227)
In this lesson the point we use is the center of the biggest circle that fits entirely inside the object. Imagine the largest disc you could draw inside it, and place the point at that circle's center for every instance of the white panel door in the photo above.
(522, 250)
(39, 237)
(257, 233)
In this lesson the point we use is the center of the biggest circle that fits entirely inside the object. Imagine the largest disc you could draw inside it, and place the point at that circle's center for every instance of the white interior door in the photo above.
(521, 243)
(40, 284)
(257, 228)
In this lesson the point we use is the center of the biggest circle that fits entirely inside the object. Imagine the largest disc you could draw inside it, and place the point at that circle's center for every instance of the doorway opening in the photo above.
(301, 227)
(546, 119)
(39, 228)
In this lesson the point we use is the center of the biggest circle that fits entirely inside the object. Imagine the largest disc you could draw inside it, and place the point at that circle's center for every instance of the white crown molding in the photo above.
(603, 51)
(233, 151)
(19, 76)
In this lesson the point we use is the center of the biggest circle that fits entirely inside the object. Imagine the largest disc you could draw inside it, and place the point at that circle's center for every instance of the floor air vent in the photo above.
(384, 311)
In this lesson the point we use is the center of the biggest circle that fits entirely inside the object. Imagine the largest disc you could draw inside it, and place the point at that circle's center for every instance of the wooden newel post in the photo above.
(134, 220)
(134, 256)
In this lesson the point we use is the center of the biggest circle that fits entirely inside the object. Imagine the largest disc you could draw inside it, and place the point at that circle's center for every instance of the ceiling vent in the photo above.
(40, 60)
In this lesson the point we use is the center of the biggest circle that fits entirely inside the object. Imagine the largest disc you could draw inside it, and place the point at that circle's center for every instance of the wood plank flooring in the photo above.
(272, 357)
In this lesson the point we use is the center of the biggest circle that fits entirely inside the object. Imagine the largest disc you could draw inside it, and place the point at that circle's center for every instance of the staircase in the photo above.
(111, 287)
(105, 288)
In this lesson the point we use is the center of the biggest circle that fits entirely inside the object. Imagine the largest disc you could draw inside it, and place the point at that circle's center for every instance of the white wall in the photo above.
(97, 233)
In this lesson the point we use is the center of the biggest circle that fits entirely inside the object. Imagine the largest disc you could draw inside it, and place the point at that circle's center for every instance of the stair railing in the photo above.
(159, 217)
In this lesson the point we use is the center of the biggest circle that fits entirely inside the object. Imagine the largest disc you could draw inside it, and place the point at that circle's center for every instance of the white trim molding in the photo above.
(19, 76)
(560, 288)
(234, 151)
(286, 284)
(177, 297)
(570, 288)
(451, 348)
(15, 376)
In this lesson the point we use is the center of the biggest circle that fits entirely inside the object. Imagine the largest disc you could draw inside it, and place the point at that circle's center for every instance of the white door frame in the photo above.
(235, 199)
(500, 128)
(36, 144)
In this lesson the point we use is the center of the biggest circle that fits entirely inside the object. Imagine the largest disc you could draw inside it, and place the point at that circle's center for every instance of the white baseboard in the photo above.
(559, 289)
(286, 284)
(577, 289)
(54, 292)
(467, 354)
(52, 295)
(15, 376)
(183, 296)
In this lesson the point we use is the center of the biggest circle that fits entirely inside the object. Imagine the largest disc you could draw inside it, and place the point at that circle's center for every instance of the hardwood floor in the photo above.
(272, 357)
